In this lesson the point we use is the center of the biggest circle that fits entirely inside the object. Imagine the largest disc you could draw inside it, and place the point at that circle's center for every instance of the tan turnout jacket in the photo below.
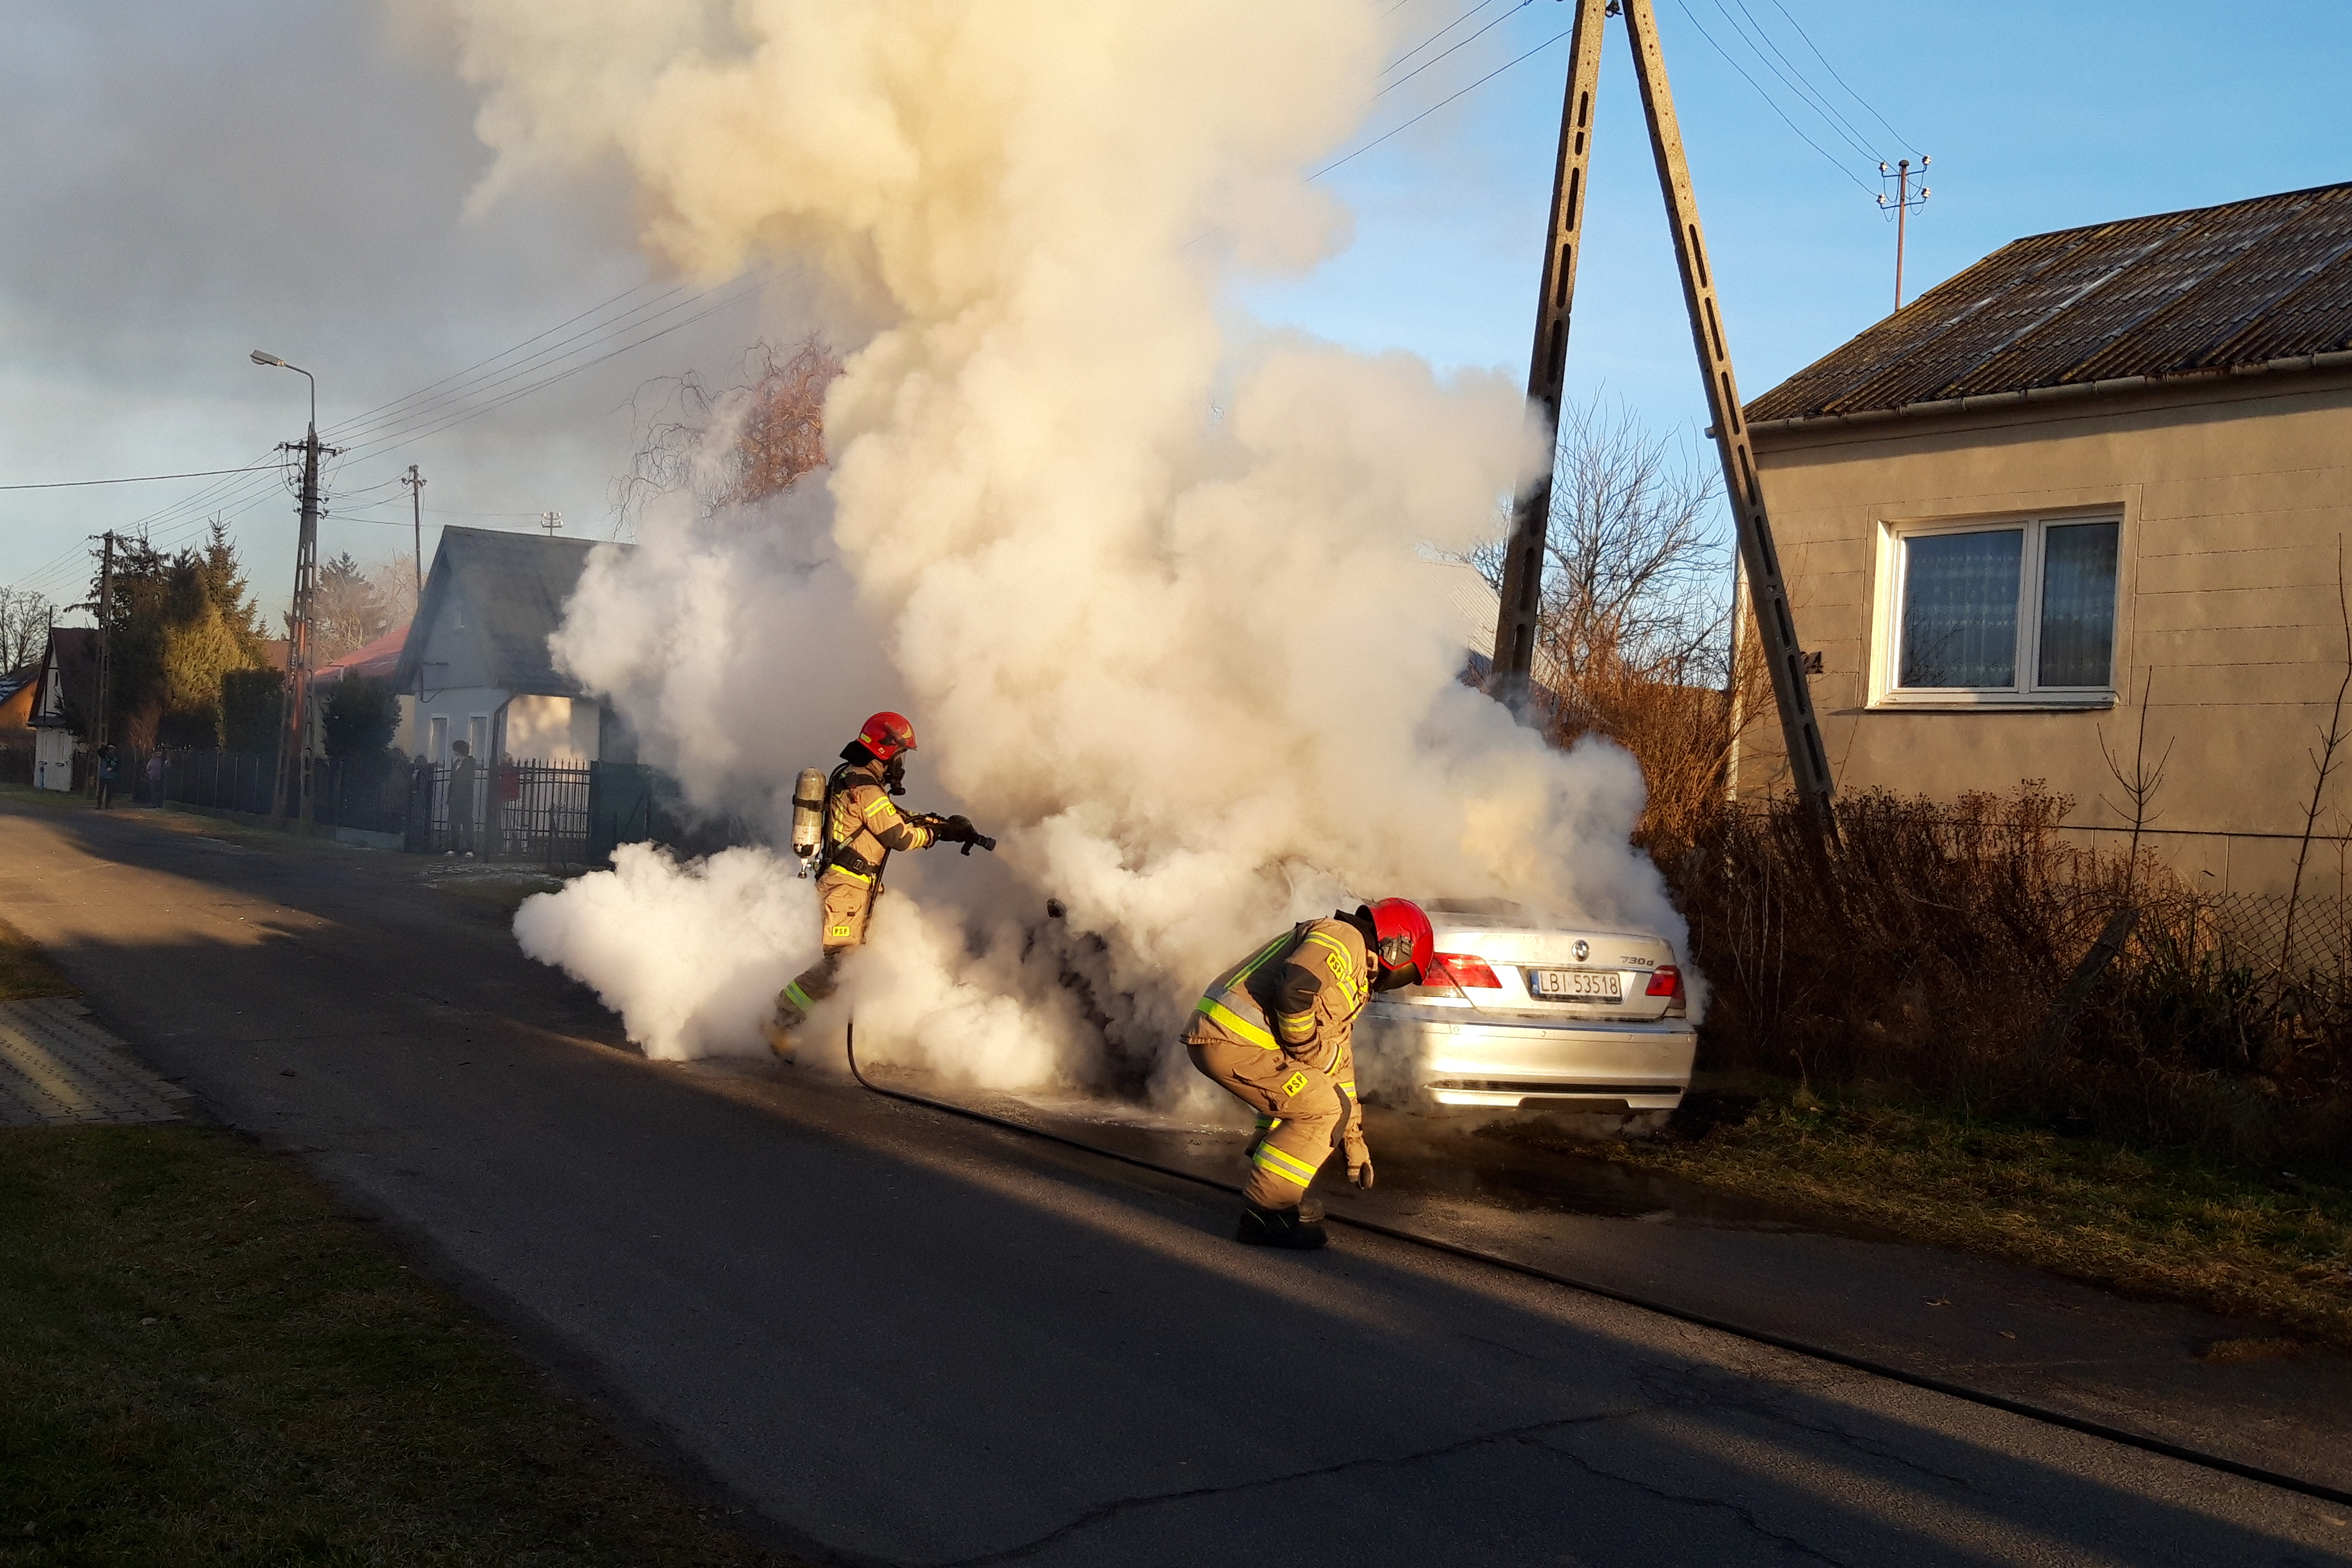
(1299, 994)
(865, 827)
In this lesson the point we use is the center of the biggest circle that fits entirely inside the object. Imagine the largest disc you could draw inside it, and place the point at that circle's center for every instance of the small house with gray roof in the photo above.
(476, 665)
(2095, 488)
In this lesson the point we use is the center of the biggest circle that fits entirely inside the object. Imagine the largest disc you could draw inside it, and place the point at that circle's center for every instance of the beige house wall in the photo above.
(2235, 499)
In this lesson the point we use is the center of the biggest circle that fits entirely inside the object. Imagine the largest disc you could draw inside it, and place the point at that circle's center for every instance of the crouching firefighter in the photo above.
(862, 826)
(1277, 1029)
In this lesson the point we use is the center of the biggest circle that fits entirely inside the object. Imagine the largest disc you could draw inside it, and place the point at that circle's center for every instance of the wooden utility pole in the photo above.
(1767, 590)
(1523, 562)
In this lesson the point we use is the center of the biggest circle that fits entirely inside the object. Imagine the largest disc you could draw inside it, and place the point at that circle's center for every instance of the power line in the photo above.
(1759, 42)
(421, 424)
(228, 493)
(752, 286)
(454, 375)
(1770, 103)
(1462, 44)
(425, 412)
(134, 479)
(1433, 38)
(1441, 103)
(1898, 136)
(357, 430)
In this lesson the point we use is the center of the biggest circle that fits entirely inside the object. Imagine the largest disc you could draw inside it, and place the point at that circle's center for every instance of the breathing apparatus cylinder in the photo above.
(808, 816)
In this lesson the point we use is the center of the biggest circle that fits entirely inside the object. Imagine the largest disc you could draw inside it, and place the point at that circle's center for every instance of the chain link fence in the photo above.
(2304, 940)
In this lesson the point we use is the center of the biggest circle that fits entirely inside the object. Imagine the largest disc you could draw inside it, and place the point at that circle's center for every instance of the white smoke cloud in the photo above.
(690, 956)
(1159, 602)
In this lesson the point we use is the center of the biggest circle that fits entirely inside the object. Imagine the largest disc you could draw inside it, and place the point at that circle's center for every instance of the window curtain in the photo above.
(1959, 608)
(2078, 604)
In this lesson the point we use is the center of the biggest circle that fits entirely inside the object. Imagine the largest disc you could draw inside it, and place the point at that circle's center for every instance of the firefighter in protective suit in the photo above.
(1277, 1029)
(862, 826)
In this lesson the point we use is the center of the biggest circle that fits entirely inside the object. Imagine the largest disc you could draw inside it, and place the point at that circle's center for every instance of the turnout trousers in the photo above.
(849, 905)
(1307, 1111)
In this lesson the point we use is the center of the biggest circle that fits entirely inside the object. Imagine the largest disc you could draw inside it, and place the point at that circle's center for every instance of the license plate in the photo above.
(1576, 985)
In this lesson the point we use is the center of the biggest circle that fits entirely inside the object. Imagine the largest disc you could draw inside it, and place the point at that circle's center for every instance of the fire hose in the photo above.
(2031, 1412)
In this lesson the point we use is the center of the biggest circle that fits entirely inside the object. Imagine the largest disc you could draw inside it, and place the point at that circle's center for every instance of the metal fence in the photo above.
(549, 813)
(368, 793)
(503, 811)
(2305, 938)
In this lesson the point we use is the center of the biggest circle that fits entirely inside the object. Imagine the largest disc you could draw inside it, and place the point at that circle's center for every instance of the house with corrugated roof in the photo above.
(2088, 499)
(476, 666)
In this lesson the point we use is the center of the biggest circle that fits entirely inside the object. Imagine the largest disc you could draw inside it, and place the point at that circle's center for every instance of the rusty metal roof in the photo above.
(2203, 290)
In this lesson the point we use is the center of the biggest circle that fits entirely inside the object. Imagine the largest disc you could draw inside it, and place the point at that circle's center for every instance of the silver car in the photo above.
(1526, 1017)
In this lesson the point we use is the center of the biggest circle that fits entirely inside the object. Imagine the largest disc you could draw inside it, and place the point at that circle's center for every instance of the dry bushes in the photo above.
(1928, 956)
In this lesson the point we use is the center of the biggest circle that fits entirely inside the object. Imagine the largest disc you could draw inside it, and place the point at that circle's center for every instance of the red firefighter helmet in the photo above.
(1402, 941)
(885, 735)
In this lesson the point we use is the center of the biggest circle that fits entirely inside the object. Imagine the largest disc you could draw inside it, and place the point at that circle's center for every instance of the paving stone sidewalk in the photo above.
(57, 1067)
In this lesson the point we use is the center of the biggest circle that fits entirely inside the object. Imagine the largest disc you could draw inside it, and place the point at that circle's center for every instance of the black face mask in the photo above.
(1397, 979)
(894, 775)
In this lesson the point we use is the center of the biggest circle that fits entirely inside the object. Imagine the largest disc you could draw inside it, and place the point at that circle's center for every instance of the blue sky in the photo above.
(2037, 115)
(168, 212)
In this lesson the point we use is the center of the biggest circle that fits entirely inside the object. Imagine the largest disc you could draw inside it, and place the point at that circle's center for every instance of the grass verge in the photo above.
(203, 1360)
(25, 971)
(2272, 1245)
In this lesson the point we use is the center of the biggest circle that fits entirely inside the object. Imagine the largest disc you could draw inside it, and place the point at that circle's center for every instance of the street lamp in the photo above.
(260, 358)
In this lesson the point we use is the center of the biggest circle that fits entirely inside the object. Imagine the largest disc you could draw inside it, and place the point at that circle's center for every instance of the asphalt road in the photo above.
(907, 1339)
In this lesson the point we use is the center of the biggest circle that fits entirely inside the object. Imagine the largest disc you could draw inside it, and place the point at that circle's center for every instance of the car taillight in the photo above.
(1667, 981)
(1465, 970)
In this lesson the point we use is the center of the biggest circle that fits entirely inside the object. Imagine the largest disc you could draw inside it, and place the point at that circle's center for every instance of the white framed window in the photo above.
(2010, 611)
(438, 750)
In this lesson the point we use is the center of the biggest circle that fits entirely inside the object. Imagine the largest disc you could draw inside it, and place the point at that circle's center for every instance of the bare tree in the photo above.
(770, 431)
(393, 581)
(1633, 577)
(24, 618)
(2139, 784)
(1633, 622)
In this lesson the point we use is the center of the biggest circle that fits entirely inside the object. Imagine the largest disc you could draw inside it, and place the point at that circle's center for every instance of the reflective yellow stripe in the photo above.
(881, 803)
(1342, 964)
(1297, 1027)
(857, 877)
(1267, 1123)
(1289, 1167)
(1233, 991)
(1240, 1026)
(1348, 1089)
(799, 997)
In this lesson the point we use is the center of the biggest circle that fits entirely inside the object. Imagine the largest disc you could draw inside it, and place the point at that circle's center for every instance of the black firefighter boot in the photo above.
(1299, 1228)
